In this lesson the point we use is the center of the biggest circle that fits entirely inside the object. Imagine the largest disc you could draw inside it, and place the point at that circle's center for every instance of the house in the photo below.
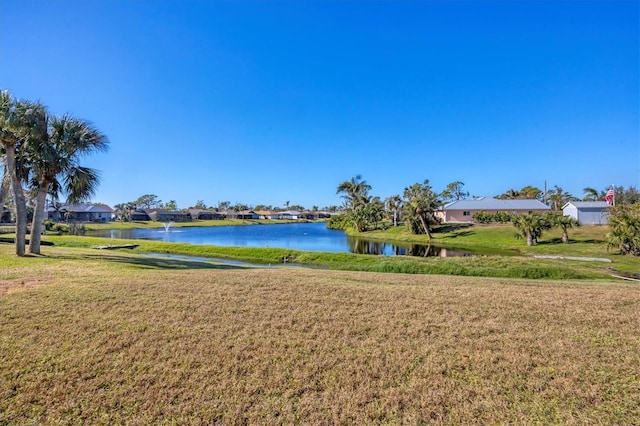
(290, 215)
(315, 215)
(267, 214)
(463, 210)
(245, 214)
(199, 214)
(587, 212)
(164, 215)
(83, 212)
(139, 215)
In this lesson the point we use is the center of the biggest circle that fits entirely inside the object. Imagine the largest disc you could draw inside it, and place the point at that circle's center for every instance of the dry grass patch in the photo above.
(116, 342)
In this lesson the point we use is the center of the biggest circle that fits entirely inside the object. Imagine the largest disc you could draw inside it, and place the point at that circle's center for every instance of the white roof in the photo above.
(588, 204)
(487, 203)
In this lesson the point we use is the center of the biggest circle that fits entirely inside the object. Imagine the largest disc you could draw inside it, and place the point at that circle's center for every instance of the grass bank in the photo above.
(585, 241)
(119, 338)
(494, 266)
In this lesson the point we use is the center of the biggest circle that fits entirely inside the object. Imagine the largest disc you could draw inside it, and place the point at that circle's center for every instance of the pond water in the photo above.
(295, 236)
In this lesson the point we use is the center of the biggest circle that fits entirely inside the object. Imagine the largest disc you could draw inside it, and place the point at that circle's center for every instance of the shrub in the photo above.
(625, 229)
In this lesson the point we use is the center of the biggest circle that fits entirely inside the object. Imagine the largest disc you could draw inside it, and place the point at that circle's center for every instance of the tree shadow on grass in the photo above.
(459, 234)
(152, 262)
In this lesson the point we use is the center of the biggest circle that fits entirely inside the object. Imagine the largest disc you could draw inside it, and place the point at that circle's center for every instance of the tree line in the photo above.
(417, 207)
(41, 154)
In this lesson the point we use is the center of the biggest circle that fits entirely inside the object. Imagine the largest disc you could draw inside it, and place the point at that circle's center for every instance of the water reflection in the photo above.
(362, 246)
(301, 236)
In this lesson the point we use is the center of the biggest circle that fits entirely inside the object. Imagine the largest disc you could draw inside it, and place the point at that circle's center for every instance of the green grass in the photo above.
(585, 241)
(496, 266)
(100, 337)
(495, 240)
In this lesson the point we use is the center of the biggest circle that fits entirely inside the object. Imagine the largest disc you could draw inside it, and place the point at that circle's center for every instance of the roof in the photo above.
(90, 208)
(487, 203)
(588, 204)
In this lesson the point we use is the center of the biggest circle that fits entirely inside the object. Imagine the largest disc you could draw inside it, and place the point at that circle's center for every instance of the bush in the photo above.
(483, 217)
(60, 227)
(625, 229)
(341, 221)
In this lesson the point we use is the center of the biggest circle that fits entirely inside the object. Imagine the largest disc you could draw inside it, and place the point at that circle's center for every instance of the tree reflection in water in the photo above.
(360, 246)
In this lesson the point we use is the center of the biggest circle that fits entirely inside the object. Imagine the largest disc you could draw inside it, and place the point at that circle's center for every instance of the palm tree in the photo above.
(393, 204)
(355, 191)
(54, 156)
(529, 226)
(565, 223)
(624, 221)
(420, 203)
(559, 197)
(590, 194)
(15, 126)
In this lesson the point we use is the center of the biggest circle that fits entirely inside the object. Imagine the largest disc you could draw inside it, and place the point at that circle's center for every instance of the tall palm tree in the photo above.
(58, 146)
(393, 204)
(15, 127)
(420, 203)
(355, 191)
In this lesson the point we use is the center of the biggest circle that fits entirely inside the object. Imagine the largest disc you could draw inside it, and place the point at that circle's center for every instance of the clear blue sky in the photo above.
(263, 102)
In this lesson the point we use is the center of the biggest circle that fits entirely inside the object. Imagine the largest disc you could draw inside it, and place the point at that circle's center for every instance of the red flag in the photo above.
(610, 197)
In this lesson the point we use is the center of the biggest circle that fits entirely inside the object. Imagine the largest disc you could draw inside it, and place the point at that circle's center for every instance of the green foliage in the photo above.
(454, 191)
(624, 221)
(530, 226)
(483, 217)
(498, 217)
(339, 221)
(558, 220)
(420, 204)
(60, 227)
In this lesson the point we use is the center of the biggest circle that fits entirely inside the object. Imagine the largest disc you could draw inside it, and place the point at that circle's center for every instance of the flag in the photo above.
(610, 197)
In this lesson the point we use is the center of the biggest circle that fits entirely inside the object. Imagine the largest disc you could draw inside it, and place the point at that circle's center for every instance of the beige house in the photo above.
(463, 210)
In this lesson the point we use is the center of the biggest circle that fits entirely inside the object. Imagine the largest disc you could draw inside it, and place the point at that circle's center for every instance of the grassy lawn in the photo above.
(98, 337)
(585, 241)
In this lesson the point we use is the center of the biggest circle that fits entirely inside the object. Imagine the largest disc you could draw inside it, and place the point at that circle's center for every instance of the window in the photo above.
(466, 213)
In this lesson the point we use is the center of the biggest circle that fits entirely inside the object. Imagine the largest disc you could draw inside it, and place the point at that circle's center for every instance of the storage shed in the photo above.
(587, 212)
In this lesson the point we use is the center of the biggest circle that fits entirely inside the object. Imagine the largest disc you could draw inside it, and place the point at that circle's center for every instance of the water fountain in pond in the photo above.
(167, 225)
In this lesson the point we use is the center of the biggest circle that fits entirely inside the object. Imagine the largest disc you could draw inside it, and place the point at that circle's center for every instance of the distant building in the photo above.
(587, 212)
(84, 212)
(463, 210)
(164, 215)
(246, 214)
(200, 214)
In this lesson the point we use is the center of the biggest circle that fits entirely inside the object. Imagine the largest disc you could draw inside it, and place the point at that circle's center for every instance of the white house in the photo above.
(463, 210)
(587, 212)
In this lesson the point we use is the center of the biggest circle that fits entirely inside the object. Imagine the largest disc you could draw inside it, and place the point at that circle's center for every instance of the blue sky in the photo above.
(263, 102)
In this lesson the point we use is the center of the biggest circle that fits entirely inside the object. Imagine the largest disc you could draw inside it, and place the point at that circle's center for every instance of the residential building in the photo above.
(83, 212)
(463, 210)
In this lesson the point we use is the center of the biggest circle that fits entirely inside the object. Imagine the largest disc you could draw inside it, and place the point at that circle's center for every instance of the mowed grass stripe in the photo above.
(113, 340)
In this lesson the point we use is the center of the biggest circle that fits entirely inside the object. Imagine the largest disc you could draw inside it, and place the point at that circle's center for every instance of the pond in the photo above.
(295, 236)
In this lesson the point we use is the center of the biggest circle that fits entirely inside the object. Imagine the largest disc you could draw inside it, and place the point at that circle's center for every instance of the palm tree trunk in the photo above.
(38, 217)
(565, 236)
(424, 225)
(529, 238)
(21, 203)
